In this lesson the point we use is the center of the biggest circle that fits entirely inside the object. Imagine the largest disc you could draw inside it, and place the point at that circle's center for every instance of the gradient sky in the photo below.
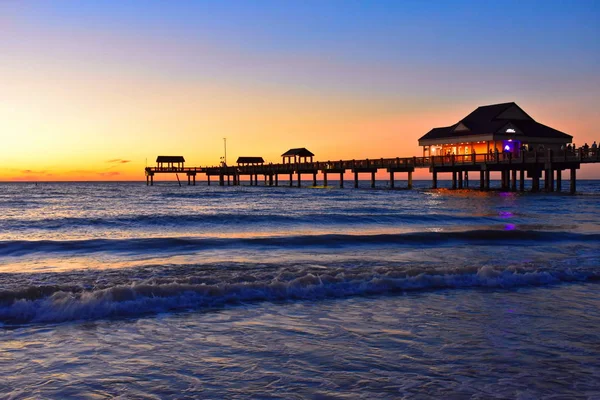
(91, 90)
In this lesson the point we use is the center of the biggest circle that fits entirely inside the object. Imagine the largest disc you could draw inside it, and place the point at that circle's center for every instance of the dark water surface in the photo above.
(111, 289)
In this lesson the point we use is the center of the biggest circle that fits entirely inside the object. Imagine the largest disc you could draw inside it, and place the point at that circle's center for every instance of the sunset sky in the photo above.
(91, 90)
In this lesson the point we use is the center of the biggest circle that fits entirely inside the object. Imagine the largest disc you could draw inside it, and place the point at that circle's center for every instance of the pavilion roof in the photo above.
(250, 160)
(302, 152)
(505, 118)
(170, 159)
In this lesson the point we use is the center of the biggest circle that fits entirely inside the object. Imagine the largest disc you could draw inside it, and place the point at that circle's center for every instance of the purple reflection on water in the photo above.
(505, 214)
(510, 227)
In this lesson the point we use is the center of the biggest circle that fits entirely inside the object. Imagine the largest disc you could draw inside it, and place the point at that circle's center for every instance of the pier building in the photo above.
(170, 162)
(497, 128)
(297, 155)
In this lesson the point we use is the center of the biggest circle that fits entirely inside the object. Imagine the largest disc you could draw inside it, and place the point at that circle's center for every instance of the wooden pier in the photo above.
(535, 166)
(494, 138)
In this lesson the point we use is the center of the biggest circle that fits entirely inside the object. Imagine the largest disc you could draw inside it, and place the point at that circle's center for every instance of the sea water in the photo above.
(119, 289)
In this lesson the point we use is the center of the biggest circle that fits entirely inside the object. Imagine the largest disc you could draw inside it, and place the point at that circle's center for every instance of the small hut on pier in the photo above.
(297, 156)
(246, 161)
(168, 162)
(503, 127)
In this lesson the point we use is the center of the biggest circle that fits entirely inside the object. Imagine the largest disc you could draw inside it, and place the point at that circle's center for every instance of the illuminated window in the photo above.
(507, 148)
(511, 130)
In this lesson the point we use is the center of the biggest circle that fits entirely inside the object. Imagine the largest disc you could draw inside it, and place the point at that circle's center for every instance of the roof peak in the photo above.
(510, 103)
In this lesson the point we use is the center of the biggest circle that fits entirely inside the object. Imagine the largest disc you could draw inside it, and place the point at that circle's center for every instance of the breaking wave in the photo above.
(63, 303)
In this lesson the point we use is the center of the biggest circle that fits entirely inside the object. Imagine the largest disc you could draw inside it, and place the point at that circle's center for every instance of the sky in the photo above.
(96, 90)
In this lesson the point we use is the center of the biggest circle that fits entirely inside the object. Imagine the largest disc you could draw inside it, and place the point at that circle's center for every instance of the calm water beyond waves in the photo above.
(118, 289)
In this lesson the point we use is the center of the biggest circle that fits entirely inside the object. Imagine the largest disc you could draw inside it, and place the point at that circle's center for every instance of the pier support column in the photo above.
(228, 180)
(434, 180)
(392, 179)
(453, 179)
(535, 181)
(355, 180)
(513, 182)
(522, 180)
(481, 180)
(372, 180)
(487, 179)
(147, 180)
(341, 179)
(314, 179)
(276, 180)
(324, 178)
(271, 180)
(573, 180)
(221, 180)
(549, 175)
(208, 179)
(189, 180)
(410, 179)
(255, 179)
(460, 179)
(151, 180)
(291, 179)
(299, 179)
(558, 180)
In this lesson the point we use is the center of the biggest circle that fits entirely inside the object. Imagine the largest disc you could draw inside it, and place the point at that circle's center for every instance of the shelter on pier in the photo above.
(245, 161)
(502, 128)
(297, 155)
(168, 162)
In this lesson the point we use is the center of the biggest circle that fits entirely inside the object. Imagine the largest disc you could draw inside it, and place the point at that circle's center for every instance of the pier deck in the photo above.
(530, 164)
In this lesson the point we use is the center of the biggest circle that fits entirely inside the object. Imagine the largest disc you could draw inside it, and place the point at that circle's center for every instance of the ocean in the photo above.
(168, 292)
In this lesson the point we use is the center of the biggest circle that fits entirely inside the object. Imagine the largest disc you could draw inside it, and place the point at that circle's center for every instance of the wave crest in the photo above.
(151, 297)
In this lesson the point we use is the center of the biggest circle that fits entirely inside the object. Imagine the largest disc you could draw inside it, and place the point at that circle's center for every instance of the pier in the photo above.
(547, 166)
(494, 138)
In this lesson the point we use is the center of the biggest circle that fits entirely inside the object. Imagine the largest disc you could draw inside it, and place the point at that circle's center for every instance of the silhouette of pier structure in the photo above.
(495, 138)
(534, 165)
